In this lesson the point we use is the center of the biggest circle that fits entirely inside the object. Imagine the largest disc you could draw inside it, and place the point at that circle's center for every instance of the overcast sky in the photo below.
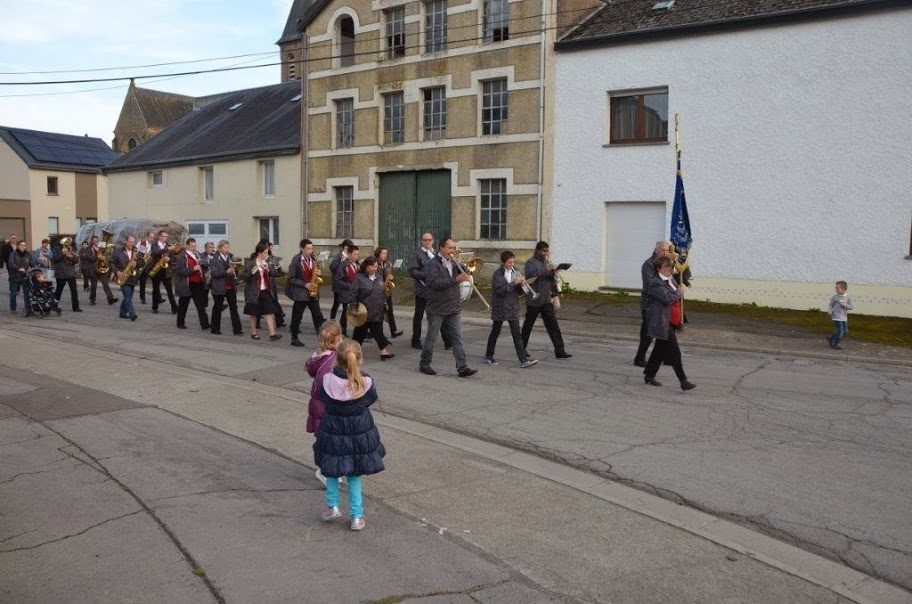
(44, 35)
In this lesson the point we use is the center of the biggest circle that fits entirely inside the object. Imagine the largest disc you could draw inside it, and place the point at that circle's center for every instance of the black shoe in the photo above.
(639, 362)
(396, 334)
(216, 332)
(427, 371)
(447, 345)
(275, 336)
(91, 302)
(652, 381)
(386, 357)
(133, 317)
(124, 316)
(467, 372)
(142, 301)
(239, 333)
(182, 327)
(77, 310)
(205, 327)
(416, 345)
(297, 343)
(173, 310)
(563, 355)
(685, 385)
(113, 300)
(154, 311)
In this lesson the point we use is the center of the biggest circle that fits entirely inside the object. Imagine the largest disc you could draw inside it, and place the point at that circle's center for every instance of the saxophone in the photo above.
(315, 278)
(164, 260)
(128, 272)
(389, 282)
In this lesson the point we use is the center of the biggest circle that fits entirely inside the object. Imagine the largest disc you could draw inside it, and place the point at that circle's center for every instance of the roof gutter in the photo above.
(202, 159)
(862, 6)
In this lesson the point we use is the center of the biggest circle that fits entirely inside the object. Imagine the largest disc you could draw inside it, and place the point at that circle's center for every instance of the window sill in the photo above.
(909, 257)
(53, 194)
(636, 144)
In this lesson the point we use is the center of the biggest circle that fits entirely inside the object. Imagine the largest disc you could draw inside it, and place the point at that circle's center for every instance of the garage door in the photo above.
(633, 229)
(9, 226)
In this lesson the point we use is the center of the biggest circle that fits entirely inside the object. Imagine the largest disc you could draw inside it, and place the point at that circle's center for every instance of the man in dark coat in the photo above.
(647, 272)
(224, 288)
(507, 285)
(300, 289)
(65, 262)
(442, 277)
(95, 278)
(539, 268)
(119, 261)
(343, 278)
(163, 277)
(334, 265)
(420, 259)
(189, 284)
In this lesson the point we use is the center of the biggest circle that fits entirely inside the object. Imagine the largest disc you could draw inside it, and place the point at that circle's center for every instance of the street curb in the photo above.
(840, 579)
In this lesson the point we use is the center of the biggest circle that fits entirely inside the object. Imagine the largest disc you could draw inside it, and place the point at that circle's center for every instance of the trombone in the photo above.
(469, 269)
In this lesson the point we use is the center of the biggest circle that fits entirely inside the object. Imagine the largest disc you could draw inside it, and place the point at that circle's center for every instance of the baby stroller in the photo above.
(41, 294)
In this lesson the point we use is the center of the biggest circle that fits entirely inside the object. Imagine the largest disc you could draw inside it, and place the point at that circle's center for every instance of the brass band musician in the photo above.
(303, 289)
(64, 261)
(223, 269)
(539, 268)
(161, 250)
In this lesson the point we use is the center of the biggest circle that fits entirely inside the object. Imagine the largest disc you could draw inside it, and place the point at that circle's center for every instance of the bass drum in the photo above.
(465, 289)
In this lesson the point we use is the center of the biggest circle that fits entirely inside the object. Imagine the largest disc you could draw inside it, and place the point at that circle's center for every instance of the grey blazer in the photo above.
(372, 294)
(443, 290)
(334, 265)
(183, 272)
(535, 267)
(647, 272)
(218, 268)
(296, 289)
(416, 271)
(119, 260)
(346, 288)
(251, 278)
(62, 270)
(505, 302)
(659, 298)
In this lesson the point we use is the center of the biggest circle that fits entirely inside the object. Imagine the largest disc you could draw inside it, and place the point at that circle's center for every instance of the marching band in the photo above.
(362, 288)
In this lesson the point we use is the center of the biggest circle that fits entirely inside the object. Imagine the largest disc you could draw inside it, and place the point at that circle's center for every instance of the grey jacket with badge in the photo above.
(659, 298)
(296, 287)
(505, 302)
(420, 260)
(442, 288)
(182, 272)
(538, 268)
(218, 268)
(372, 294)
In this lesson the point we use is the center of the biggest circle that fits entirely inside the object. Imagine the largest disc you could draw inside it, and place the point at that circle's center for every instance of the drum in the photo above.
(465, 289)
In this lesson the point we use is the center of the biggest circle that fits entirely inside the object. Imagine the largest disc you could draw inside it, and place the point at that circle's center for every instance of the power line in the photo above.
(87, 70)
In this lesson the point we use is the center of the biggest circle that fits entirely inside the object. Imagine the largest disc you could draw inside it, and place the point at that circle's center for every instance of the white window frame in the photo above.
(268, 226)
(344, 220)
(207, 235)
(488, 33)
(388, 119)
(501, 124)
(434, 21)
(161, 179)
(53, 224)
(56, 192)
(395, 37)
(433, 129)
(489, 183)
(207, 184)
(343, 139)
(269, 178)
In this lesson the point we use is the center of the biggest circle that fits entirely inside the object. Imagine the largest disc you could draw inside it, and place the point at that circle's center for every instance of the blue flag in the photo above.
(680, 222)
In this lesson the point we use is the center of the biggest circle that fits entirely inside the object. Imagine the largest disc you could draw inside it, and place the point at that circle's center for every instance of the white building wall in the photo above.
(796, 158)
(238, 198)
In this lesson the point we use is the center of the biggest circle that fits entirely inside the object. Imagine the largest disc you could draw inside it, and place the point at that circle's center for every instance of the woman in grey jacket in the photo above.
(258, 300)
(661, 293)
(368, 289)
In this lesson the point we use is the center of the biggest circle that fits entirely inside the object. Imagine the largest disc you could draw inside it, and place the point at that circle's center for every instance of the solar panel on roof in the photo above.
(64, 148)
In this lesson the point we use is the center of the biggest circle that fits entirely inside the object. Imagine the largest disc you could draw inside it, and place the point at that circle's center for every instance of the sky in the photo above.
(67, 36)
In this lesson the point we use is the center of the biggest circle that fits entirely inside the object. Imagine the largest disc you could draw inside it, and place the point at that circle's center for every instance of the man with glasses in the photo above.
(417, 268)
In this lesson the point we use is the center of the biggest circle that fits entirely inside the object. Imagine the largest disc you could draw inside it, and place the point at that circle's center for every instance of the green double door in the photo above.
(412, 203)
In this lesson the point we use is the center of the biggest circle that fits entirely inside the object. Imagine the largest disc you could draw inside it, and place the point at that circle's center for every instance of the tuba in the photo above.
(69, 256)
(103, 253)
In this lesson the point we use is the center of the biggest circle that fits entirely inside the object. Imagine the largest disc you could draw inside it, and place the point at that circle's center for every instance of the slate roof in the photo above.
(161, 109)
(296, 13)
(53, 151)
(266, 123)
(629, 20)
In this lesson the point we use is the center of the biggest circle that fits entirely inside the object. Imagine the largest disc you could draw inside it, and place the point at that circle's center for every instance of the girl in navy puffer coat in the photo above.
(348, 443)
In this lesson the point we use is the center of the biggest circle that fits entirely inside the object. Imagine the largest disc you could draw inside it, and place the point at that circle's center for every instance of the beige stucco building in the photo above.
(229, 170)
(428, 116)
(50, 183)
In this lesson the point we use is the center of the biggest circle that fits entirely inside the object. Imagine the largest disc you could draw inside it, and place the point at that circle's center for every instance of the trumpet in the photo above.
(528, 290)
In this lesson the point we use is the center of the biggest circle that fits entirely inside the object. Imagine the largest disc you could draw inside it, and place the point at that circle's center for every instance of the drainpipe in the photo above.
(305, 181)
(541, 121)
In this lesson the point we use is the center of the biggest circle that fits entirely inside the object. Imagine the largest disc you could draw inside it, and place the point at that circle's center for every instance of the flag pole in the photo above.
(678, 169)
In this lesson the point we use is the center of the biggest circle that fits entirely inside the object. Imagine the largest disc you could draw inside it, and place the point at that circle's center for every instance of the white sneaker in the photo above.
(528, 363)
(358, 523)
(320, 477)
(330, 513)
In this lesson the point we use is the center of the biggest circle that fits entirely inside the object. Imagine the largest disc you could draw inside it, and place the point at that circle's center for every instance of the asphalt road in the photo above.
(816, 452)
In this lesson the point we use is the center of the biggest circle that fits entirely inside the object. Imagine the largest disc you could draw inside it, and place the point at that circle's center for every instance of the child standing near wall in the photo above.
(348, 443)
(840, 304)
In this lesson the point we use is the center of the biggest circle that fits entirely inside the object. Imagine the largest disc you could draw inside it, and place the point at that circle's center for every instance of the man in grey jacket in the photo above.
(442, 278)
(300, 289)
(647, 272)
(539, 268)
(420, 259)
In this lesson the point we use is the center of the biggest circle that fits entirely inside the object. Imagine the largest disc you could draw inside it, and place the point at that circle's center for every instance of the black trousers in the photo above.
(420, 307)
(337, 299)
(517, 339)
(376, 330)
(297, 314)
(85, 278)
(390, 317)
(550, 321)
(645, 341)
(218, 305)
(143, 278)
(198, 295)
(74, 297)
(667, 352)
(105, 280)
(162, 279)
